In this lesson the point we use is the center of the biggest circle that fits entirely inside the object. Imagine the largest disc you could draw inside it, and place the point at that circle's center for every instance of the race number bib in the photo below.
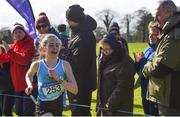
(53, 91)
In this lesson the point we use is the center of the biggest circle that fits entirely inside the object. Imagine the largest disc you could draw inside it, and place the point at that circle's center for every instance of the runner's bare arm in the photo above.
(29, 76)
(70, 84)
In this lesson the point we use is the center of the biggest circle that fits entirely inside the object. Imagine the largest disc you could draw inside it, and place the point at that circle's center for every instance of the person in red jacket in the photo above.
(20, 55)
(6, 88)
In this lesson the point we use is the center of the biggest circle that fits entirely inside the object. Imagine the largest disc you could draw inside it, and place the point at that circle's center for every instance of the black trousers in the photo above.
(6, 102)
(80, 103)
(24, 106)
(150, 108)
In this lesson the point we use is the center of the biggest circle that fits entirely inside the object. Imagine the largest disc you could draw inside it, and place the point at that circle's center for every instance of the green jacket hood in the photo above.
(172, 22)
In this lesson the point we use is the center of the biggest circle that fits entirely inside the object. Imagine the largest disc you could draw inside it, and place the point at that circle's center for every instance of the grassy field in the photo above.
(137, 47)
(133, 47)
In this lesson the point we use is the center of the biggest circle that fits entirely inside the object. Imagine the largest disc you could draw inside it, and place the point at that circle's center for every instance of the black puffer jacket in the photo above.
(82, 54)
(116, 85)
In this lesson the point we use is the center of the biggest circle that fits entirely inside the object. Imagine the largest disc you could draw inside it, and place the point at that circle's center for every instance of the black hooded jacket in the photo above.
(115, 84)
(82, 53)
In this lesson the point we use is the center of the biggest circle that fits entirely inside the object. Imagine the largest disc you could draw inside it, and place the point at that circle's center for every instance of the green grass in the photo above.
(133, 47)
(137, 47)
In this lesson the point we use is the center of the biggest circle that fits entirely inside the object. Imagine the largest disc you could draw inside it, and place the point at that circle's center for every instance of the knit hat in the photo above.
(75, 13)
(114, 27)
(42, 18)
(112, 41)
(61, 27)
(17, 26)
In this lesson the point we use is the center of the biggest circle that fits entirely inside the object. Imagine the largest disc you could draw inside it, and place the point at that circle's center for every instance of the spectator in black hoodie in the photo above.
(82, 57)
(6, 88)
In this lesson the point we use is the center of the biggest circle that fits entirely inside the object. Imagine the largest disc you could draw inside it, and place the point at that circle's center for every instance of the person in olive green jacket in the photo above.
(164, 69)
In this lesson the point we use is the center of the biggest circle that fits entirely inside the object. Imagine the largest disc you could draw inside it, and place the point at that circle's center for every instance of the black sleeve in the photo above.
(82, 53)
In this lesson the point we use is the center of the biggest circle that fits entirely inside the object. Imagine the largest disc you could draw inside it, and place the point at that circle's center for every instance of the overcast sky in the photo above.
(55, 9)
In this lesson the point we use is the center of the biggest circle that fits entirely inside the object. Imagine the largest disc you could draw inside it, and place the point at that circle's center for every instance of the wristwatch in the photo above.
(60, 81)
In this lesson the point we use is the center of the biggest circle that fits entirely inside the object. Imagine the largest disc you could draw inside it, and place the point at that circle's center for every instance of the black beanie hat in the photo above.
(112, 41)
(114, 27)
(75, 13)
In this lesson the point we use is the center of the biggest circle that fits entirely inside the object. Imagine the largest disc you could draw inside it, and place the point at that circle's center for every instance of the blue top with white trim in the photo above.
(49, 89)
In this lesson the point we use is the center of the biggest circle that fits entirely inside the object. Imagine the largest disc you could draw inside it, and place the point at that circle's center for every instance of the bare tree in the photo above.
(127, 20)
(99, 33)
(143, 18)
(106, 16)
